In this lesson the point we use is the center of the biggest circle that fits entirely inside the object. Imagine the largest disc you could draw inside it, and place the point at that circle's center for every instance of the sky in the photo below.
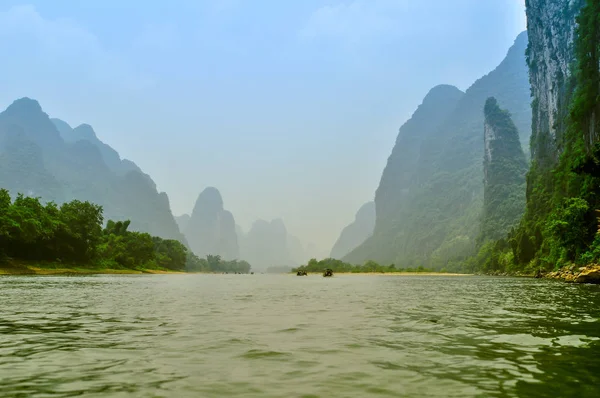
(289, 108)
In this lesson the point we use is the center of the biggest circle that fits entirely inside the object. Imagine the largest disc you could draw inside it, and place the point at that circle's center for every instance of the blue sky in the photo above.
(290, 108)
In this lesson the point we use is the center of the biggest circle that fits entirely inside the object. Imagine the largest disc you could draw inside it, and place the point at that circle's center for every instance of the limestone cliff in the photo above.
(564, 67)
(550, 54)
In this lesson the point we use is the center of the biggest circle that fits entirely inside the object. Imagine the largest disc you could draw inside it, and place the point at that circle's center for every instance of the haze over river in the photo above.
(288, 336)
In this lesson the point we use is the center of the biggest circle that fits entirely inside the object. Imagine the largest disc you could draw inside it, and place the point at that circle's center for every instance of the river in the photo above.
(287, 336)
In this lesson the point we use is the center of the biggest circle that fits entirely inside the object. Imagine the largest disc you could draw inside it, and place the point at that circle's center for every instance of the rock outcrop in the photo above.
(356, 233)
(575, 274)
(211, 229)
(504, 169)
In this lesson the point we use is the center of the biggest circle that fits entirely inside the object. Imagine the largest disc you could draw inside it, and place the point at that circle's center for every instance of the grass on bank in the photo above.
(12, 267)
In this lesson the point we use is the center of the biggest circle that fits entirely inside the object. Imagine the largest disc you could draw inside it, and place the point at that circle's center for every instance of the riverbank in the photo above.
(19, 268)
(575, 274)
(392, 273)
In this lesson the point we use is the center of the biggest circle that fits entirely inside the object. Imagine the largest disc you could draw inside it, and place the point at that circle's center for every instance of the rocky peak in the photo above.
(85, 132)
(209, 201)
(24, 106)
(28, 114)
(210, 228)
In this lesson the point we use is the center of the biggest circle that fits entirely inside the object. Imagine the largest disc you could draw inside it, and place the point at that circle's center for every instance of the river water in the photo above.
(288, 336)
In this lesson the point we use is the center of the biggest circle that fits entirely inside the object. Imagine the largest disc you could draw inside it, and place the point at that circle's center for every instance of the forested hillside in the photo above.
(430, 198)
(43, 158)
(563, 184)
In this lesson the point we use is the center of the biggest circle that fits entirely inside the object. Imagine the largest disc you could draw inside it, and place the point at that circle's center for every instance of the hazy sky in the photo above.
(290, 108)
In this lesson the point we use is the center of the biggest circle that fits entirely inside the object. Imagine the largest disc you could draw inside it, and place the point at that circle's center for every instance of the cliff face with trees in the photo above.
(504, 169)
(559, 225)
(430, 197)
(46, 158)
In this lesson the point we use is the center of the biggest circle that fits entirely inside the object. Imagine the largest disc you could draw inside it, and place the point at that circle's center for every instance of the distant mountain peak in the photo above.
(24, 104)
(442, 89)
(85, 131)
(210, 228)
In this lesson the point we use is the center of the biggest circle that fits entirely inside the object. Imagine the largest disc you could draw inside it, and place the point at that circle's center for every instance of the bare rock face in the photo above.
(211, 229)
(551, 29)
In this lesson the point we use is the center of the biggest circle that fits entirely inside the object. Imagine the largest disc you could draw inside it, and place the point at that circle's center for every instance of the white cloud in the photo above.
(46, 45)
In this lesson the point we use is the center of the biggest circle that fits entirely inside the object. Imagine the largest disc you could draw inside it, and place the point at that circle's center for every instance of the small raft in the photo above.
(328, 272)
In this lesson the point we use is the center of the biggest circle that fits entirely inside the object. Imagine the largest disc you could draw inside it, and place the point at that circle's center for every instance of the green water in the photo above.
(288, 336)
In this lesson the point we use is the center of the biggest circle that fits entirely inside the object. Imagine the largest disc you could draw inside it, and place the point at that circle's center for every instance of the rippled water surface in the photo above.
(288, 336)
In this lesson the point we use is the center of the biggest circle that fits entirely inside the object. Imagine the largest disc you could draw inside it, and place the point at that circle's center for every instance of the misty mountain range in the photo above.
(430, 197)
(426, 207)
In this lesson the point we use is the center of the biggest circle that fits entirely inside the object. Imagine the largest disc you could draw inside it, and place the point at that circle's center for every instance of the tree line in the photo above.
(340, 266)
(73, 234)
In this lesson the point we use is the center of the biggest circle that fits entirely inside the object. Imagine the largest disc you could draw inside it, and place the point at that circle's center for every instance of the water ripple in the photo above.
(273, 336)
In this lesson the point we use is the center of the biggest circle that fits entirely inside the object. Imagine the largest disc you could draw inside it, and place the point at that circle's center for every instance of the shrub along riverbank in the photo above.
(338, 266)
(37, 238)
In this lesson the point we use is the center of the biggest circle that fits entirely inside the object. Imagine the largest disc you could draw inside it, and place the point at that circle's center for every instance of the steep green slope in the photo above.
(430, 197)
(563, 183)
(504, 169)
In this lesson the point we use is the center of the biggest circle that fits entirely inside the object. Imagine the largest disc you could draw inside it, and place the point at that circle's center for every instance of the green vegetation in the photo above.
(214, 263)
(340, 266)
(563, 184)
(504, 169)
(46, 158)
(71, 237)
(430, 198)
